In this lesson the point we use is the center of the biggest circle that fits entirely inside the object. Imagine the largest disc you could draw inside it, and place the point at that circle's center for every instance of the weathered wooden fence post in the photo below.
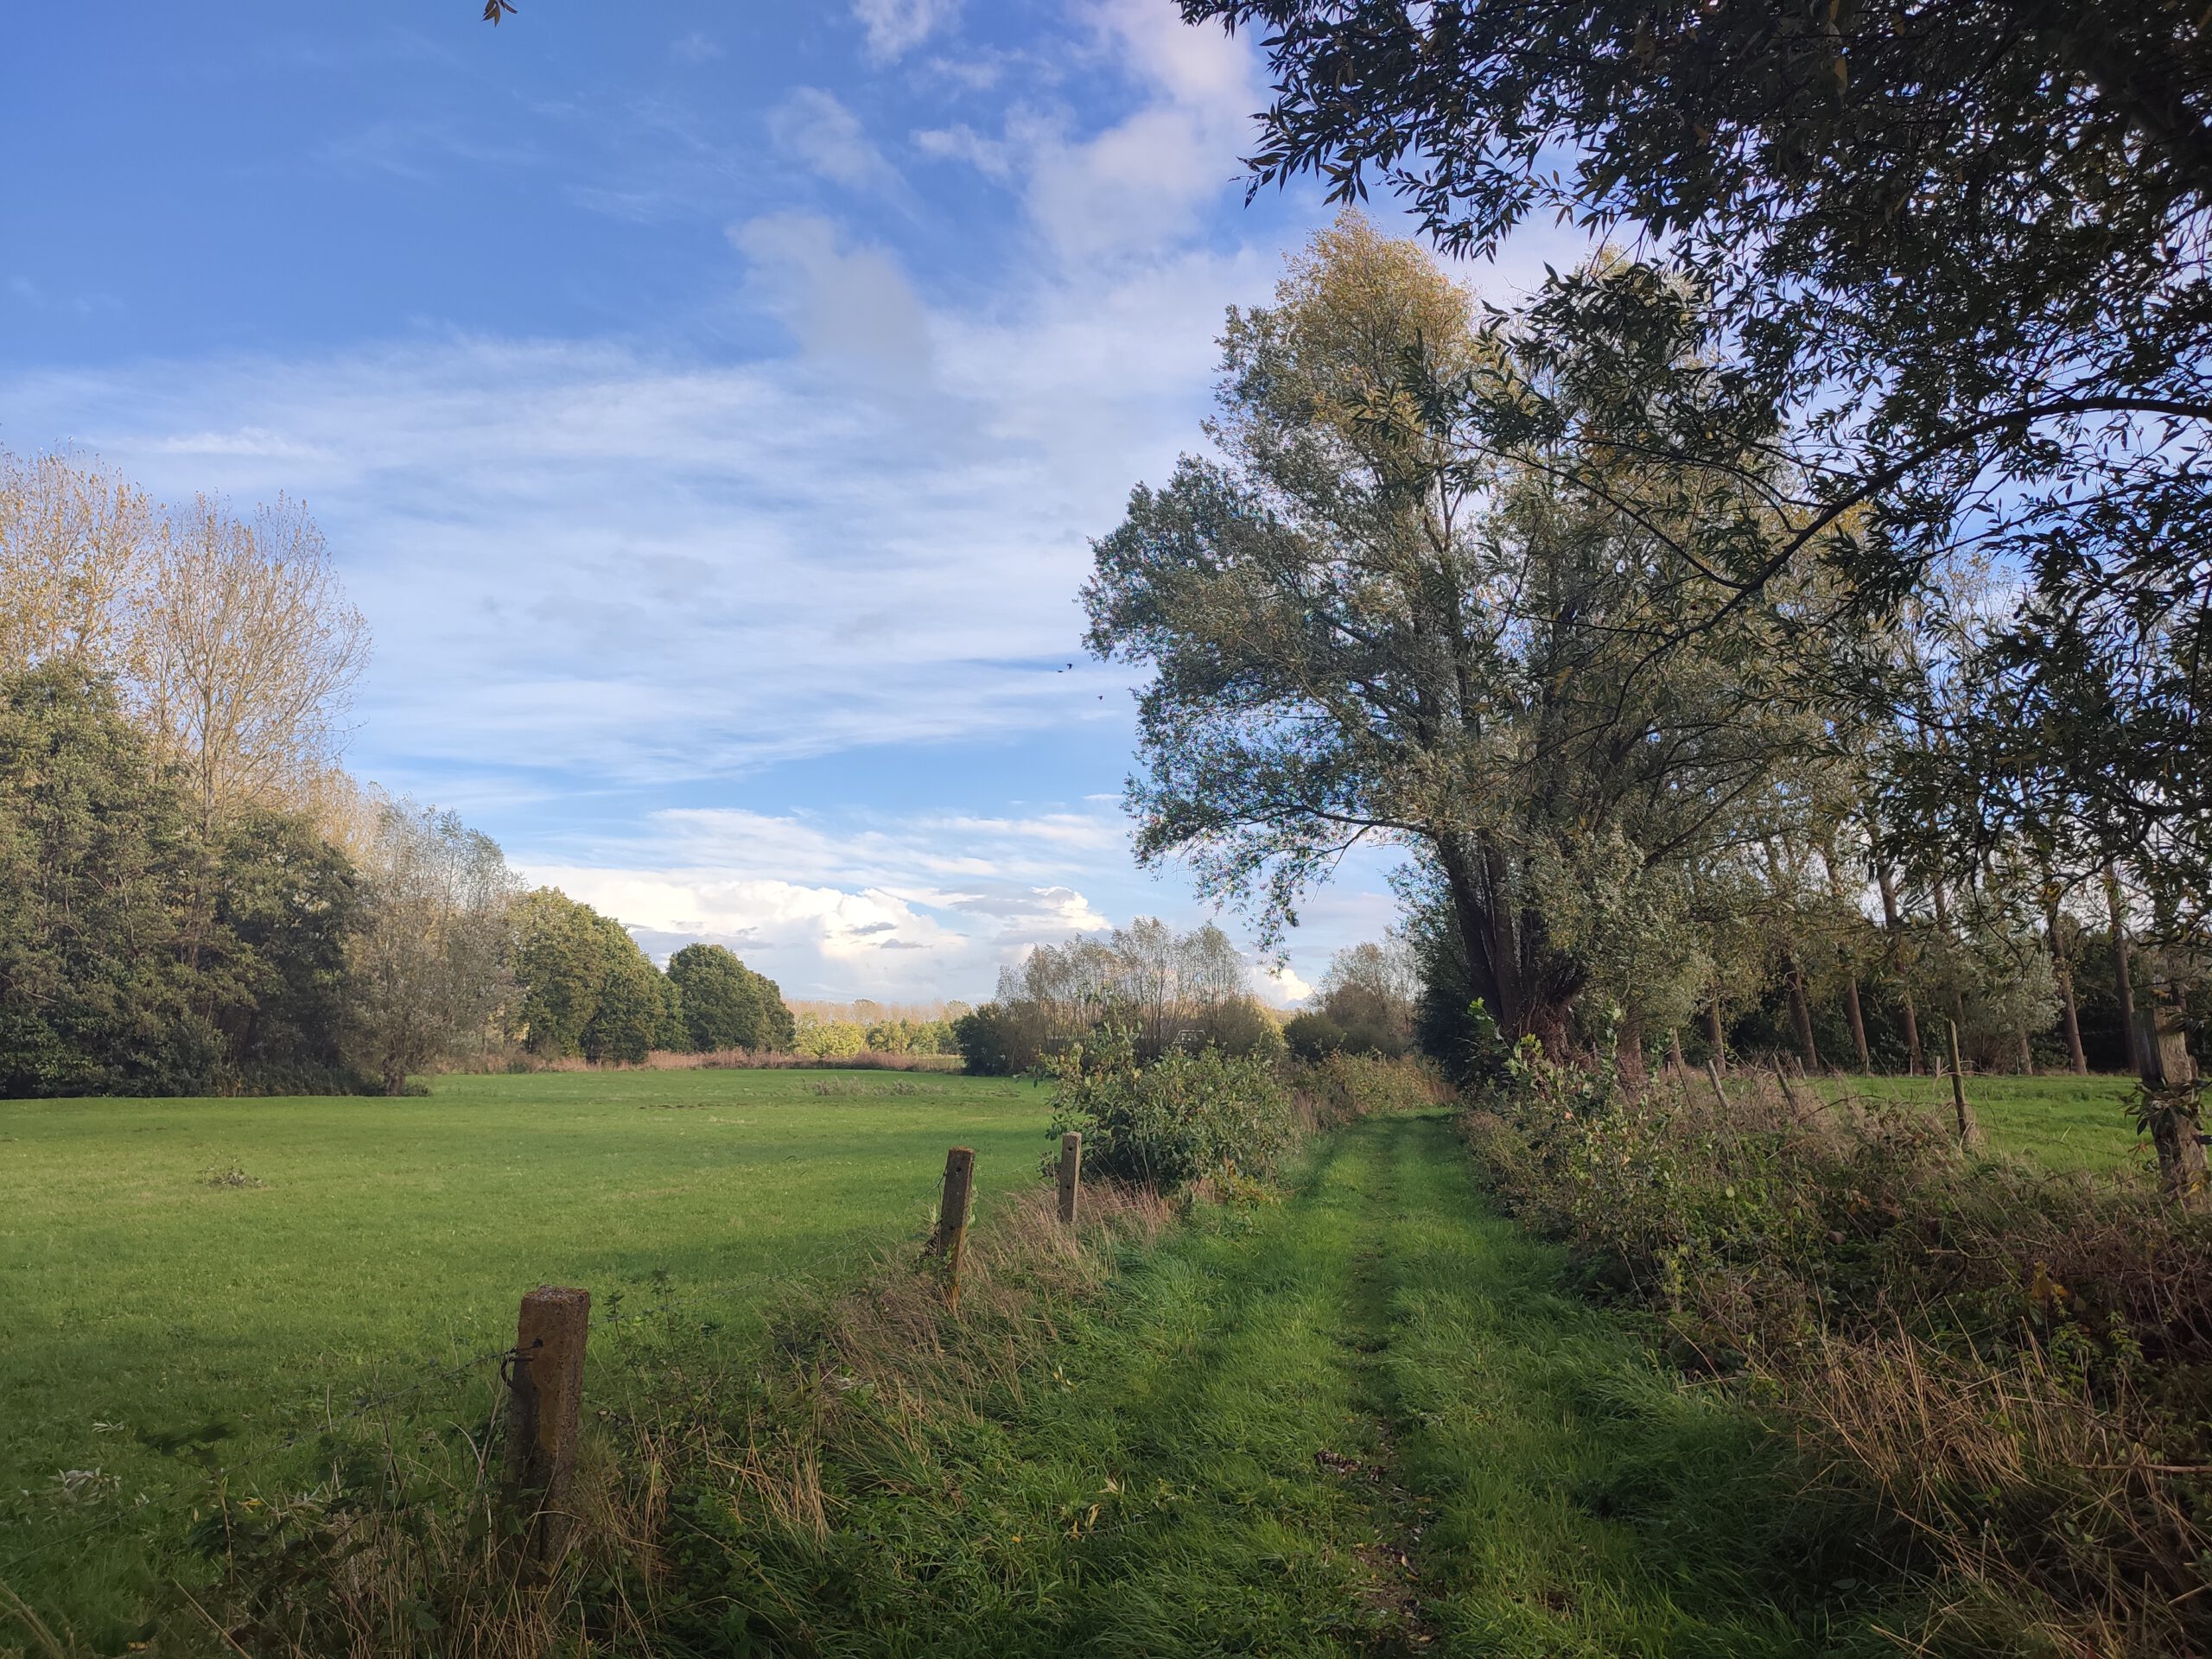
(952, 1218)
(1969, 1132)
(1070, 1174)
(546, 1376)
(1719, 1095)
(2168, 1075)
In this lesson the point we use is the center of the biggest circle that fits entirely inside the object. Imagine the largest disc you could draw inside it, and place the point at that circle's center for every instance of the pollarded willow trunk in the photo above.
(1524, 1001)
(1858, 1023)
(1801, 1015)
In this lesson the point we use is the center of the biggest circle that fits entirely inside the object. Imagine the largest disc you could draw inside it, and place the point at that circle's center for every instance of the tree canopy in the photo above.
(1949, 264)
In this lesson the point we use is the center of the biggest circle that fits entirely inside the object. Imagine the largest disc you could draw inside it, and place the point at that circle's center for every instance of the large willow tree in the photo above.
(1364, 620)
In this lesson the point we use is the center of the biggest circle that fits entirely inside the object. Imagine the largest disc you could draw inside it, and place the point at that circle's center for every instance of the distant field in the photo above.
(139, 1297)
(2069, 1123)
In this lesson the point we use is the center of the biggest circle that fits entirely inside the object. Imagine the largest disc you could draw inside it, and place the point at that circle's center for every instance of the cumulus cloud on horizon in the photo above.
(639, 568)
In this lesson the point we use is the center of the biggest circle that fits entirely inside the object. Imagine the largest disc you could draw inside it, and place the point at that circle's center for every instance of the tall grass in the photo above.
(2010, 1370)
(707, 1463)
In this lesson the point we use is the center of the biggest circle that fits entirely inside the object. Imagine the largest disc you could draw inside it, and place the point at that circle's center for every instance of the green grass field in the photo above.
(189, 1285)
(142, 1300)
(1370, 1419)
(2069, 1123)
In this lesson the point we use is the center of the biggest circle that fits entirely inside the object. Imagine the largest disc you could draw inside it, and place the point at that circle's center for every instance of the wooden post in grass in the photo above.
(545, 1374)
(2173, 1097)
(1719, 1095)
(1969, 1132)
(952, 1218)
(1070, 1174)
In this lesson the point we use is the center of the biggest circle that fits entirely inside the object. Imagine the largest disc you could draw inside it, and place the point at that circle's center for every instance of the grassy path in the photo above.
(1365, 1421)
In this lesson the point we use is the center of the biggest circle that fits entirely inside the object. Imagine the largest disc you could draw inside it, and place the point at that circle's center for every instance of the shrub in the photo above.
(1312, 1035)
(1184, 1117)
(2010, 1370)
(1345, 1086)
(994, 1042)
(1239, 1025)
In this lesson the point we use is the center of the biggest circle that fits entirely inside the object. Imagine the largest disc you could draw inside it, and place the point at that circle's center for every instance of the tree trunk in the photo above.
(1857, 1022)
(1890, 925)
(1628, 1053)
(2176, 1098)
(2069, 1015)
(2027, 1053)
(2122, 981)
(1943, 926)
(1716, 1039)
(1801, 1016)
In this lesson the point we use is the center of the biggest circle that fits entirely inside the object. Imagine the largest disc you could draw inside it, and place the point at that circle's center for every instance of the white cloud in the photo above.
(897, 27)
(594, 565)
(1145, 182)
(992, 157)
(814, 128)
(846, 304)
(849, 908)
(695, 48)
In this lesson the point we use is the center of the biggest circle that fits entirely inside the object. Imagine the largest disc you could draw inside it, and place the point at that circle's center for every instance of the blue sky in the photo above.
(709, 406)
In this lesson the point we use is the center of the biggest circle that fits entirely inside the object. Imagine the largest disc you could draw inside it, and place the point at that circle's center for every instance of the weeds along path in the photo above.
(1363, 1420)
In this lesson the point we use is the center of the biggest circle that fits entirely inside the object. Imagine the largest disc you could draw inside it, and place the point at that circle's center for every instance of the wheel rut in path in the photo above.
(1367, 1420)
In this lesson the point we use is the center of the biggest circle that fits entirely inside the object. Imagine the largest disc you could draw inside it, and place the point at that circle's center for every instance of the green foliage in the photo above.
(1184, 1117)
(286, 902)
(1240, 1027)
(561, 968)
(829, 1040)
(912, 1037)
(1909, 1305)
(139, 955)
(993, 1041)
(1311, 1035)
(1364, 616)
(1970, 309)
(1355, 1085)
(588, 988)
(430, 973)
(99, 878)
(727, 1005)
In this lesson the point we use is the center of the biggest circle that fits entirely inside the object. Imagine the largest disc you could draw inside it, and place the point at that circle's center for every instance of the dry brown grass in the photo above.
(746, 1060)
(2054, 1519)
(2009, 1370)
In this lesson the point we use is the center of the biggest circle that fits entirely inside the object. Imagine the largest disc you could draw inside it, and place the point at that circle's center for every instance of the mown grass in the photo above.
(191, 1282)
(2069, 1123)
(1369, 1418)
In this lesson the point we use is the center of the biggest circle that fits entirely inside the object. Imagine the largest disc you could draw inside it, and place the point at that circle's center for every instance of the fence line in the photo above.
(366, 1403)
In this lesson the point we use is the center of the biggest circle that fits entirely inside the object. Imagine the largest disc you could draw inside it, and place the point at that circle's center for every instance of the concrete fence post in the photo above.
(1070, 1175)
(545, 1374)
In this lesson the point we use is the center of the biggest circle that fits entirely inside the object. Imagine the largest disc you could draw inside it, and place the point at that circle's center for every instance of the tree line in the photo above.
(1166, 991)
(194, 896)
(1443, 581)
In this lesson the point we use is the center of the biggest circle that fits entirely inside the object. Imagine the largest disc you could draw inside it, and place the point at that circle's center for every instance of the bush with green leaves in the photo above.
(2010, 1370)
(1184, 1117)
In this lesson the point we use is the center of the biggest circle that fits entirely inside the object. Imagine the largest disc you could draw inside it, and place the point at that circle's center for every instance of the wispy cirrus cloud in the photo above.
(609, 572)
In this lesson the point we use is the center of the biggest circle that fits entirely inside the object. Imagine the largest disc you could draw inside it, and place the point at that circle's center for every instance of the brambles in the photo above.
(1182, 1118)
(2007, 1367)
